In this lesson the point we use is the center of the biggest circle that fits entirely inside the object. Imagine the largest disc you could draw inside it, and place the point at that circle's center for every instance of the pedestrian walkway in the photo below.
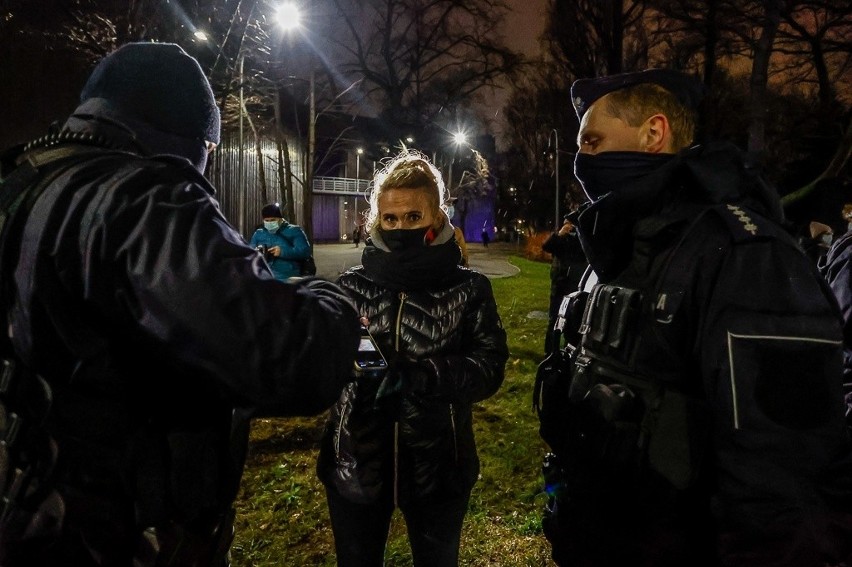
(334, 259)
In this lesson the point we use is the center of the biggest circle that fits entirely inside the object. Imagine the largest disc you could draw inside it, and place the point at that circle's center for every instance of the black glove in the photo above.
(404, 375)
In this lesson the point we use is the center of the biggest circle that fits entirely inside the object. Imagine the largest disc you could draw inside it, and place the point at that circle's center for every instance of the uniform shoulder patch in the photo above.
(745, 224)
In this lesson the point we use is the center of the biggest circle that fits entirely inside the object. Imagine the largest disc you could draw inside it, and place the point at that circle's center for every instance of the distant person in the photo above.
(144, 331)
(566, 270)
(846, 213)
(699, 421)
(818, 241)
(406, 440)
(284, 245)
(486, 237)
(356, 235)
(836, 267)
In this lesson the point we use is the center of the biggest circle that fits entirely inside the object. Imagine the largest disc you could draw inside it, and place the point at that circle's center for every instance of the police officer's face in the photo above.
(602, 132)
(406, 209)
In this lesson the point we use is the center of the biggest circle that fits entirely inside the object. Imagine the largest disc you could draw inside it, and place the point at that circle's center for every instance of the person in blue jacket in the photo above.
(284, 245)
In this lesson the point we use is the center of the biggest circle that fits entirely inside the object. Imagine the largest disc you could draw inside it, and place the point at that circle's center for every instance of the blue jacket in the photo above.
(294, 247)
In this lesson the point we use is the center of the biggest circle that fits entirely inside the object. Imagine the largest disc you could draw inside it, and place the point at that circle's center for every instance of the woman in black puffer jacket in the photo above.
(406, 440)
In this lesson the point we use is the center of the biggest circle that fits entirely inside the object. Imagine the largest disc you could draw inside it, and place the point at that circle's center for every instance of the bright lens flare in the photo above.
(460, 138)
(200, 35)
(288, 16)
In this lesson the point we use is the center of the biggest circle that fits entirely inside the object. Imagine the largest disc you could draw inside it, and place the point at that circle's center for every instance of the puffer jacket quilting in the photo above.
(456, 335)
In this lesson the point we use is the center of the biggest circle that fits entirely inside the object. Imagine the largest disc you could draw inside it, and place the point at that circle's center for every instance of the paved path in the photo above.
(334, 259)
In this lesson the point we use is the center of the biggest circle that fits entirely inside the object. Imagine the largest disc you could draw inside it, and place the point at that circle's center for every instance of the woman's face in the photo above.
(406, 209)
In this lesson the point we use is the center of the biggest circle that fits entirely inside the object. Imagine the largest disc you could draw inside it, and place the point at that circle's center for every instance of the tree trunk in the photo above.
(285, 175)
(261, 172)
(759, 78)
(711, 38)
(615, 47)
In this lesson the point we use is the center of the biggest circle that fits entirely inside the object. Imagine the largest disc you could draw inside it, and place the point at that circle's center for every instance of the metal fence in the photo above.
(341, 185)
(241, 202)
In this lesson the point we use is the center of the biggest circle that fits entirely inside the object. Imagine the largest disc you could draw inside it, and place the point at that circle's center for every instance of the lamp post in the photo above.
(289, 17)
(358, 153)
(556, 198)
(459, 138)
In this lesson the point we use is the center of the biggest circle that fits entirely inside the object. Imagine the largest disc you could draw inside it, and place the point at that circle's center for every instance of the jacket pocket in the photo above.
(781, 380)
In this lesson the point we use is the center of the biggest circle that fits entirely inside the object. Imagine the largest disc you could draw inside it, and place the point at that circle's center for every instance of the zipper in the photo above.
(339, 432)
(402, 297)
(455, 437)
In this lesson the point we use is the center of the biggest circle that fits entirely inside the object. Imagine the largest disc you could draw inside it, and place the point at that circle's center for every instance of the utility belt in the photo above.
(609, 420)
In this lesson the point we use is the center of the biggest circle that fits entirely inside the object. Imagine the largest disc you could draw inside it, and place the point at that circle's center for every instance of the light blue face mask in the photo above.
(271, 226)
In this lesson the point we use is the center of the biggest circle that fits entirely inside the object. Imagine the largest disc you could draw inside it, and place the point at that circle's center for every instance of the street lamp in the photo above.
(459, 138)
(358, 154)
(556, 213)
(288, 16)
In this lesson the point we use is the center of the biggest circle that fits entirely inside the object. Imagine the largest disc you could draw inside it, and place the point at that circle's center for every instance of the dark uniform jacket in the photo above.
(420, 445)
(160, 332)
(836, 267)
(706, 421)
(568, 263)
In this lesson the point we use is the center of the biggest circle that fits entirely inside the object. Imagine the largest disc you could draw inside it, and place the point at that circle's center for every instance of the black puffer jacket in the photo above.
(422, 445)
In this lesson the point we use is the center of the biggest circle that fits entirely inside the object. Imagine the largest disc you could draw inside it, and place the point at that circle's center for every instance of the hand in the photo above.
(566, 229)
(403, 375)
(275, 251)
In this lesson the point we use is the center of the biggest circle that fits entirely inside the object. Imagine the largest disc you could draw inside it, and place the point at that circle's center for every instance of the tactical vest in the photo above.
(623, 393)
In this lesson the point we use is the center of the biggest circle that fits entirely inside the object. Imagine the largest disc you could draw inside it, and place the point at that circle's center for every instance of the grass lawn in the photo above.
(282, 517)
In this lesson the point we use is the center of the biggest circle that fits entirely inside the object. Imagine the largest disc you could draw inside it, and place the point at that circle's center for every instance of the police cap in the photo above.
(687, 89)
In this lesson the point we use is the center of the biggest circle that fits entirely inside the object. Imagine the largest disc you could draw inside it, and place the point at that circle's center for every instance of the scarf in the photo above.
(413, 269)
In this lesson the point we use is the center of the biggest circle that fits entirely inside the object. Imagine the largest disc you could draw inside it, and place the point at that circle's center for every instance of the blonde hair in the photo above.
(636, 103)
(410, 169)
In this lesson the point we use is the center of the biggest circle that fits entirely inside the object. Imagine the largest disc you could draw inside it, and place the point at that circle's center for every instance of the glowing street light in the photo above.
(288, 16)
(200, 35)
(460, 139)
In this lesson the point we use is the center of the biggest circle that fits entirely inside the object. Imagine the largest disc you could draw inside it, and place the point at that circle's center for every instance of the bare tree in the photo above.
(417, 57)
(597, 37)
(814, 36)
(540, 104)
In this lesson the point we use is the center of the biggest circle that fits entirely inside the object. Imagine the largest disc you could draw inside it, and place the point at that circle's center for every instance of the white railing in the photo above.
(340, 185)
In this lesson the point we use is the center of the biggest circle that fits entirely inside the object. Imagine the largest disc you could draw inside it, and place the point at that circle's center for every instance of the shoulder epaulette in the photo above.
(745, 224)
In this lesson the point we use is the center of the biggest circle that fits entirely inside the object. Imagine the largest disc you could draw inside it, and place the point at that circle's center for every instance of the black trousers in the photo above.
(361, 530)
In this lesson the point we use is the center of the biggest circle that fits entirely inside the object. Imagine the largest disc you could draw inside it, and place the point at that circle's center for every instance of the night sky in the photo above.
(38, 87)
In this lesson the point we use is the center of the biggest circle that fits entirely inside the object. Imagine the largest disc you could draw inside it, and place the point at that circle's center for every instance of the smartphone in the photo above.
(369, 361)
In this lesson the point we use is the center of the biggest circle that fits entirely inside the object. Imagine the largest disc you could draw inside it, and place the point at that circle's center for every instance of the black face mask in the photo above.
(405, 238)
(615, 171)
(623, 187)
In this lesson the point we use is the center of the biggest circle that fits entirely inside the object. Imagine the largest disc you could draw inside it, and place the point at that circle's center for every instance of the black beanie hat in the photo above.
(159, 84)
(271, 210)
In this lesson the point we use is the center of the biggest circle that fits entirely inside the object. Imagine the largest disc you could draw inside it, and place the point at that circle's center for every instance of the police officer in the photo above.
(566, 270)
(704, 410)
(157, 328)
